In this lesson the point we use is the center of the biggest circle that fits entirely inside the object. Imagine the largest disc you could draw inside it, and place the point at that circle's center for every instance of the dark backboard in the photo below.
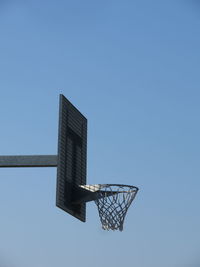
(72, 158)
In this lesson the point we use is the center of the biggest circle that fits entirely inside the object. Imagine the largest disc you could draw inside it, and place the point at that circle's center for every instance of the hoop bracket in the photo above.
(86, 193)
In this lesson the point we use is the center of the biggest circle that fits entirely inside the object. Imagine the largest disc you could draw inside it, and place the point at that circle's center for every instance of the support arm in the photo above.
(28, 161)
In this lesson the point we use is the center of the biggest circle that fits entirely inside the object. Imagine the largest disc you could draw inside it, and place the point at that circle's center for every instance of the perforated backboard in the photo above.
(72, 154)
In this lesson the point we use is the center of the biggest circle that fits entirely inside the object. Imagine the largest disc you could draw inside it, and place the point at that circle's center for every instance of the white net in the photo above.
(113, 201)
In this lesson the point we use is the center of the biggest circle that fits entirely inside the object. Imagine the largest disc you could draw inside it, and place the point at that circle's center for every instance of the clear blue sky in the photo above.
(133, 69)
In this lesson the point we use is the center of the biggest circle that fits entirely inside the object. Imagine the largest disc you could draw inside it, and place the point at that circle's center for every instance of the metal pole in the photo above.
(29, 161)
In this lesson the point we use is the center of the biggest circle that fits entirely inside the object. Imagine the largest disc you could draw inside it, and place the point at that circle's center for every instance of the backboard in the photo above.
(72, 157)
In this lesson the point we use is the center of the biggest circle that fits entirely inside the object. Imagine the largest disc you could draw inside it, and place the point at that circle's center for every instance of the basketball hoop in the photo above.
(113, 201)
(72, 192)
